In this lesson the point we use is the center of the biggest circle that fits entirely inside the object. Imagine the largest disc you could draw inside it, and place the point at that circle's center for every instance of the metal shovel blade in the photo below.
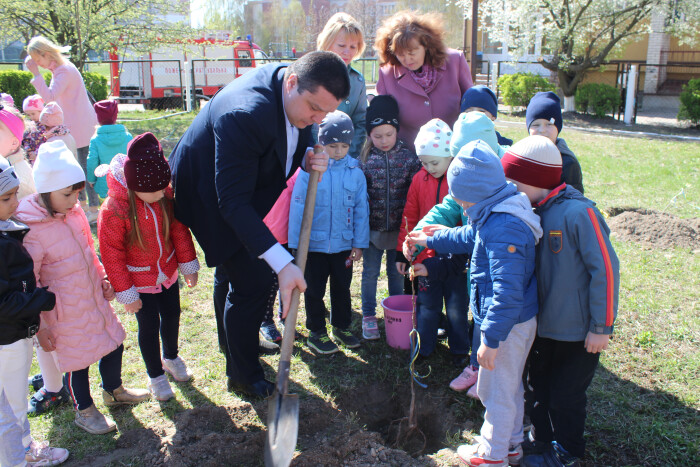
(282, 429)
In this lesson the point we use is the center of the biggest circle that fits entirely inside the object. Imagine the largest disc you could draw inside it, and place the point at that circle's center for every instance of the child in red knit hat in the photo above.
(143, 246)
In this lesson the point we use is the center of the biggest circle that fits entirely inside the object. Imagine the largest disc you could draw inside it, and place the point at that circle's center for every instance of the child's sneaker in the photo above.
(93, 421)
(43, 454)
(270, 332)
(515, 454)
(346, 338)
(44, 400)
(472, 393)
(36, 382)
(321, 343)
(160, 388)
(466, 379)
(177, 369)
(125, 396)
(470, 454)
(370, 329)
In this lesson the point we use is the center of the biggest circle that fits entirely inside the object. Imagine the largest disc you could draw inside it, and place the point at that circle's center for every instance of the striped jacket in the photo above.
(578, 273)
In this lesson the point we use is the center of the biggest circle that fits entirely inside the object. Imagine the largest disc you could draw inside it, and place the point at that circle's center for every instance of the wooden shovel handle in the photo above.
(290, 322)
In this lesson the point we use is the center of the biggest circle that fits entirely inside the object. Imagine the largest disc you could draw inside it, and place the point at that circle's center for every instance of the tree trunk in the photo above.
(568, 82)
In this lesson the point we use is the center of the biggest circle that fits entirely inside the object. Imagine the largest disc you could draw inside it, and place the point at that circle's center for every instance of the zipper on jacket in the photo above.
(160, 246)
(24, 286)
(388, 196)
(437, 195)
(87, 264)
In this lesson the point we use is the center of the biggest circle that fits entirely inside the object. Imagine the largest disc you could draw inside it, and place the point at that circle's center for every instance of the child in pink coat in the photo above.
(83, 328)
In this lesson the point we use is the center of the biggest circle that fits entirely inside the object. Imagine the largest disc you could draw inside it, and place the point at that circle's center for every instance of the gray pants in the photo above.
(93, 200)
(502, 393)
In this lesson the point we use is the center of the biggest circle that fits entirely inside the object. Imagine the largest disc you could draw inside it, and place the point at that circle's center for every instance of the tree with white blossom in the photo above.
(579, 35)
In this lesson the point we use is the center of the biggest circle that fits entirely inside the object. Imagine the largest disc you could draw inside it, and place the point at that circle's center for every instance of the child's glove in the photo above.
(191, 279)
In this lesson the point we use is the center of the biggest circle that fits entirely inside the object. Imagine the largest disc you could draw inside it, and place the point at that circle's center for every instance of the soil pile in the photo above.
(653, 228)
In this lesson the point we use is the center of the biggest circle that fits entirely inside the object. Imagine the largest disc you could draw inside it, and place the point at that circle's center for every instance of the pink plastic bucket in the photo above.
(398, 321)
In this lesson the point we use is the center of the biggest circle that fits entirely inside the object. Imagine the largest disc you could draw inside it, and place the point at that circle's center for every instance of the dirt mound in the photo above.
(654, 229)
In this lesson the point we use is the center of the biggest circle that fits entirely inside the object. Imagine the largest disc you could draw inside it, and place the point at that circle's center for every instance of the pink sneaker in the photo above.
(472, 393)
(465, 380)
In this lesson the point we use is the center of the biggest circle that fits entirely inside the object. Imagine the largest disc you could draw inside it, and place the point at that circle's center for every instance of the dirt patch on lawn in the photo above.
(653, 228)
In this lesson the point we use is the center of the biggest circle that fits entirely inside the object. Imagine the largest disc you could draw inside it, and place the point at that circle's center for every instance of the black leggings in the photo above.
(78, 383)
(160, 312)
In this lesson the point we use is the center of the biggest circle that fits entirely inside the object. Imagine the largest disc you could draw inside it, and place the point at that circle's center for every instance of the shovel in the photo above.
(283, 408)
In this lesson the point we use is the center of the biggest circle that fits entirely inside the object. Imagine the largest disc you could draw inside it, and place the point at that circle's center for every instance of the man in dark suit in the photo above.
(228, 170)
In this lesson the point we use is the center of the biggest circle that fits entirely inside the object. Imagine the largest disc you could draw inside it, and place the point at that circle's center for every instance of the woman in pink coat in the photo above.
(426, 78)
(67, 89)
(83, 328)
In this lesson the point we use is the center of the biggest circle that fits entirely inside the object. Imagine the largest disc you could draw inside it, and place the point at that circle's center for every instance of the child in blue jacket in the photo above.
(501, 236)
(339, 232)
(578, 283)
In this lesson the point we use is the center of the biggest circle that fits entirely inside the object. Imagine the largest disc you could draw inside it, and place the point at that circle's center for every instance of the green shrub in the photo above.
(690, 102)
(597, 99)
(96, 84)
(517, 89)
(17, 84)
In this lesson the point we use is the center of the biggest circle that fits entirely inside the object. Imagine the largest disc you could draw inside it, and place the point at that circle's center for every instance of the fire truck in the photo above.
(159, 79)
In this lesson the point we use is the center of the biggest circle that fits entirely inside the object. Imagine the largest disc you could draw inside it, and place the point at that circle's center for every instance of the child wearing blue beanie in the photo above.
(482, 99)
(543, 117)
(500, 237)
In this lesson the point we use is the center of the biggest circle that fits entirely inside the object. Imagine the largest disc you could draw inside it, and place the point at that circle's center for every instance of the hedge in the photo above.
(17, 84)
(597, 99)
(517, 89)
(690, 102)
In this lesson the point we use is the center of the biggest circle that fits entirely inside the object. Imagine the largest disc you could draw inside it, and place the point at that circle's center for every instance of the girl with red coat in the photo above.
(142, 246)
(428, 188)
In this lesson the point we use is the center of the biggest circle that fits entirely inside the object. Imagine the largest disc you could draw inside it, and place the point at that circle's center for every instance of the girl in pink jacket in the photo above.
(83, 328)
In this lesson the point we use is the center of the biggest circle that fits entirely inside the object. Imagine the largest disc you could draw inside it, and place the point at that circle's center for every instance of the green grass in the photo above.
(644, 404)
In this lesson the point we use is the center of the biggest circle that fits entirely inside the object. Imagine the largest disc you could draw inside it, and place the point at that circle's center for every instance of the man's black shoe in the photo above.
(261, 389)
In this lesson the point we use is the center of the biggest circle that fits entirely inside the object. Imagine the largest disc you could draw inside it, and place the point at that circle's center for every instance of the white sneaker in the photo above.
(43, 454)
(160, 388)
(177, 369)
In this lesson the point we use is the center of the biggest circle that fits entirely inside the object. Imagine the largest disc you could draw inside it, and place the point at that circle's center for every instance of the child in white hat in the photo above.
(428, 188)
(83, 328)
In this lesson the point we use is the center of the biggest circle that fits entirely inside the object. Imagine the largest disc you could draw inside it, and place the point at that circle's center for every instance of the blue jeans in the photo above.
(371, 264)
(431, 294)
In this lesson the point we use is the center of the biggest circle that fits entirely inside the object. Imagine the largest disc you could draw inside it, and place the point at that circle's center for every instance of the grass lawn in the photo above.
(644, 403)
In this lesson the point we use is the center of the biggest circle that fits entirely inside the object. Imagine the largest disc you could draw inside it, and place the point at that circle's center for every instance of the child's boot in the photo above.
(472, 392)
(321, 343)
(555, 456)
(93, 421)
(466, 379)
(177, 369)
(370, 329)
(43, 454)
(125, 396)
(346, 338)
(160, 388)
(515, 454)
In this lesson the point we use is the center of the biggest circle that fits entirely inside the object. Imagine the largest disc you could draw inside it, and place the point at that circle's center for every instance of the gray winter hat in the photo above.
(337, 127)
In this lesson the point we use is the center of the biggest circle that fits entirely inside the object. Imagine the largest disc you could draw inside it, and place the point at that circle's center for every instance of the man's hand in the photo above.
(289, 278)
(133, 307)
(596, 343)
(486, 356)
(317, 161)
(47, 339)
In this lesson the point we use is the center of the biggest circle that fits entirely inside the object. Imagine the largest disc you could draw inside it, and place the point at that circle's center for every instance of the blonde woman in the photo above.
(67, 89)
(343, 35)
